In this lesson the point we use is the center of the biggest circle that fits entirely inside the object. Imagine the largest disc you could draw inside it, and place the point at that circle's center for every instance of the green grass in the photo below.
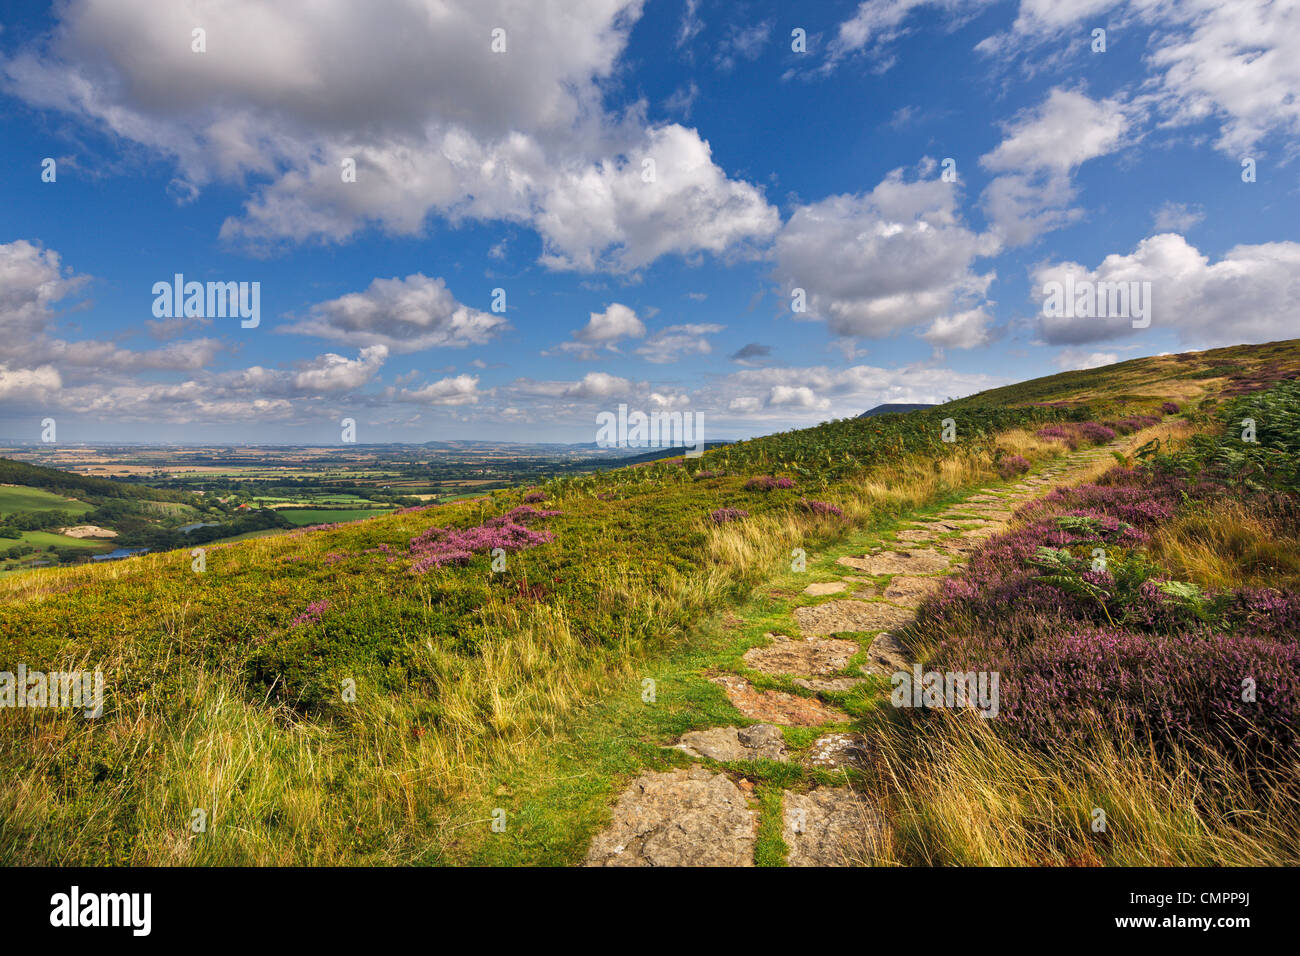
(15, 499)
(307, 516)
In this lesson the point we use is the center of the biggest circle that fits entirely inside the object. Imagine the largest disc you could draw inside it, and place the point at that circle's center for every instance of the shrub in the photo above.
(821, 508)
(767, 483)
(1169, 408)
(310, 616)
(723, 515)
(1012, 465)
(1095, 432)
(439, 547)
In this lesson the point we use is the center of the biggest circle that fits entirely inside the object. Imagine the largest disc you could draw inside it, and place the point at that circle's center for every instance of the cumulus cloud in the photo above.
(801, 396)
(457, 390)
(884, 261)
(334, 373)
(1247, 296)
(32, 282)
(1037, 157)
(963, 330)
(404, 315)
(1233, 62)
(1073, 360)
(435, 121)
(672, 343)
(593, 385)
(29, 384)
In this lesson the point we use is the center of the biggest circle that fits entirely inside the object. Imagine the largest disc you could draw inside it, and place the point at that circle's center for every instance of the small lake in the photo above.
(118, 553)
(186, 529)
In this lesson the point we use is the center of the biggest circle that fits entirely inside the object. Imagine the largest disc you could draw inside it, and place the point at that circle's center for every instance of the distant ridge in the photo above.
(898, 407)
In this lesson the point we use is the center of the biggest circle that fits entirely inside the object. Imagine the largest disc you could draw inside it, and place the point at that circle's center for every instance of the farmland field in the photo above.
(308, 516)
(14, 499)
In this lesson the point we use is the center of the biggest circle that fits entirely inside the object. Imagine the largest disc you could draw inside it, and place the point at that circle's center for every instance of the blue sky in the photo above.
(524, 169)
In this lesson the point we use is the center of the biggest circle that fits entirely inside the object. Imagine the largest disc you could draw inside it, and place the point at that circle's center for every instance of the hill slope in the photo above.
(373, 693)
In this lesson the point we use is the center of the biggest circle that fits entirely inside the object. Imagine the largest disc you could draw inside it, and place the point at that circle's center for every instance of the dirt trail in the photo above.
(708, 816)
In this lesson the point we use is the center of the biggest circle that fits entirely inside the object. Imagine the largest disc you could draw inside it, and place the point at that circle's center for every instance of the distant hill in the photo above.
(894, 407)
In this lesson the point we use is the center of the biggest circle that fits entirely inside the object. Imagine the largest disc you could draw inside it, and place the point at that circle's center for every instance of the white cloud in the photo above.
(436, 122)
(30, 385)
(1177, 217)
(1072, 360)
(742, 43)
(884, 261)
(673, 342)
(1037, 158)
(790, 396)
(405, 315)
(796, 396)
(1234, 62)
(593, 385)
(1248, 296)
(334, 373)
(616, 322)
(964, 330)
(457, 390)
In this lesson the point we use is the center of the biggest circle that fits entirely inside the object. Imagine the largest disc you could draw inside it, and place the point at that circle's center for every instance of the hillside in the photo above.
(49, 516)
(728, 627)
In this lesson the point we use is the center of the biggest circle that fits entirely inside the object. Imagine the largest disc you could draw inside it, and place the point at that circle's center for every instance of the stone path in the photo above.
(706, 817)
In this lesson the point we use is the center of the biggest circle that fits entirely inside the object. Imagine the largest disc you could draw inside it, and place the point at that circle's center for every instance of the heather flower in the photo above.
(1169, 408)
(822, 508)
(442, 547)
(1011, 466)
(535, 496)
(723, 515)
(312, 615)
(1095, 432)
(767, 483)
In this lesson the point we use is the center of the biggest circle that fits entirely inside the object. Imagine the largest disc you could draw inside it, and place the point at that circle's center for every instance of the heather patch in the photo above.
(1011, 466)
(1088, 633)
(723, 515)
(312, 615)
(767, 483)
(822, 508)
(441, 547)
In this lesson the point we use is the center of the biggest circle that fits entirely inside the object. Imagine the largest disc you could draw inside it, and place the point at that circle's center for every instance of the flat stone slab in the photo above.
(678, 818)
(759, 742)
(911, 591)
(825, 587)
(838, 750)
(812, 657)
(917, 561)
(886, 657)
(835, 617)
(957, 546)
(774, 706)
(983, 498)
(915, 534)
(831, 826)
(821, 684)
(979, 533)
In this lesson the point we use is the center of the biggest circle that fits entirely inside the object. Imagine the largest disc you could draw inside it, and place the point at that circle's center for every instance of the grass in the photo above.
(309, 516)
(1224, 545)
(522, 691)
(445, 702)
(15, 499)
